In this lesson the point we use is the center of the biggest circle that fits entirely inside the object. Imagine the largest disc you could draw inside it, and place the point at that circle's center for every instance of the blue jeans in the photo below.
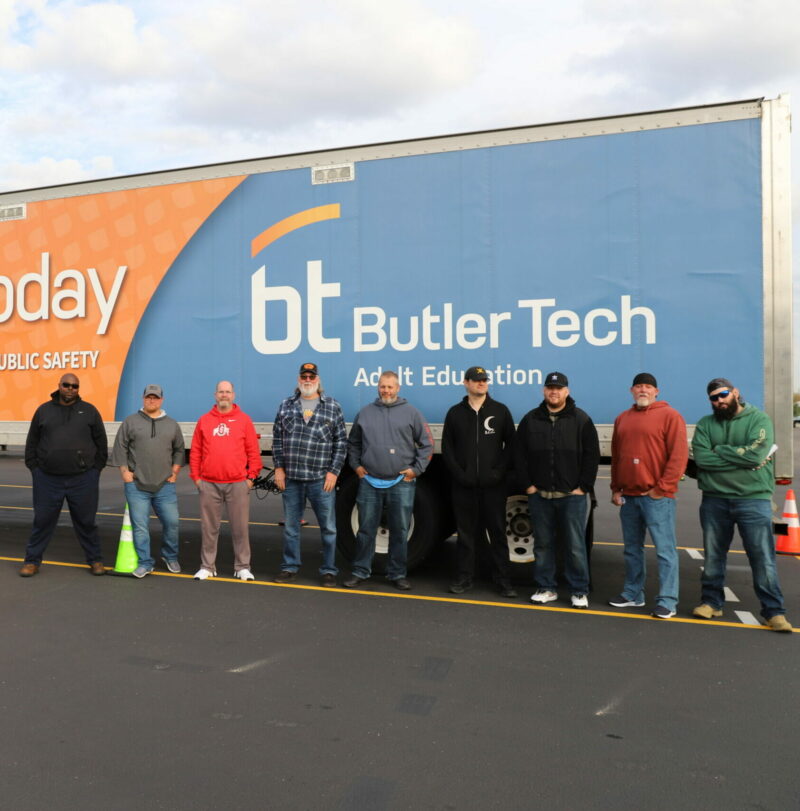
(399, 503)
(564, 517)
(164, 504)
(753, 517)
(656, 515)
(323, 504)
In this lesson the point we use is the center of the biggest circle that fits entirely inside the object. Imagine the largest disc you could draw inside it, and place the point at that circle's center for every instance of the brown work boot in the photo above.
(96, 567)
(29, 569)
(704, 611)
(779, 623)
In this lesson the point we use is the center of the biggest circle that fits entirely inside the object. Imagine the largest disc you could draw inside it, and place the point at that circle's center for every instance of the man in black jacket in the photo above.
(477, 447)
(66, 449)
(557, 454)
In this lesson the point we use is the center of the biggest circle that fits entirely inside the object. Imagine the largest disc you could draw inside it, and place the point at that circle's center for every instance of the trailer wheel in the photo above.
(423, 530)
(519, 530)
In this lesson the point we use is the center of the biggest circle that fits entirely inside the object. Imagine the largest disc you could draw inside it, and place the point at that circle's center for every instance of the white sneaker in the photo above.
(579, 601)
(543, 596)
(203, 574)
(244, 574)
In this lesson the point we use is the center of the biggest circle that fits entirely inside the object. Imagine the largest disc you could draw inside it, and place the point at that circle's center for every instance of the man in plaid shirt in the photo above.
(309, 444)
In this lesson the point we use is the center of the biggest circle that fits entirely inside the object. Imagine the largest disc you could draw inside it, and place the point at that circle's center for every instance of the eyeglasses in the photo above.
(70, 385)
(308, 377)
(718, 396)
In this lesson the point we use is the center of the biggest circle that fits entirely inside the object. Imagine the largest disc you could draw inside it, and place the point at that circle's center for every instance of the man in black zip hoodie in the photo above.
(557, 455)
(477, 447)
(66, 449)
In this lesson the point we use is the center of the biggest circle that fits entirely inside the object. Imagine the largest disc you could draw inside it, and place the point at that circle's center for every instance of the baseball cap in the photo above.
(646, 378)
(476, 373)
(556, 379)
(719, 383)
(309, 369)
(152, 388)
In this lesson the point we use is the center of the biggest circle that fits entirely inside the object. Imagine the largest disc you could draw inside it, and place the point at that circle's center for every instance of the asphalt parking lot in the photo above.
(170, 693)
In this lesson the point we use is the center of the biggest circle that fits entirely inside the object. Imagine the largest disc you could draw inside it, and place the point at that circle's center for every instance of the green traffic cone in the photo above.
(127, 560)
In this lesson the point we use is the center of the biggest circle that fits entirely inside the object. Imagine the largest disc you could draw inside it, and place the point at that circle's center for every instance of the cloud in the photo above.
(727, 50)
(53, 171)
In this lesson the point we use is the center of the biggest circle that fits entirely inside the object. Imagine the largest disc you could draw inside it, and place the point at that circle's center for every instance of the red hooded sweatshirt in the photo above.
(224, 447)
(649, 448)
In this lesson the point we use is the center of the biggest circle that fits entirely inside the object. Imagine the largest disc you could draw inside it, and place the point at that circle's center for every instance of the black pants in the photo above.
(478, 511)
(81, 493)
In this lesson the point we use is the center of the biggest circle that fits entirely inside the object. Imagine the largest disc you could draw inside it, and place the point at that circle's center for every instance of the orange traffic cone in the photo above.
(789, 544)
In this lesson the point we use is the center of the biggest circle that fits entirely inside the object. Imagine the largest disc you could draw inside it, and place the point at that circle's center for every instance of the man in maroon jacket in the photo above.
(224, 460)
(649, 451)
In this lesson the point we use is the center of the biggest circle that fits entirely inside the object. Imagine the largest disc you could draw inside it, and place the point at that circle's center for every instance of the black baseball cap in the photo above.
(309, 369)
(476, 373)
(646, 378)
(556, 379)
(719, 383)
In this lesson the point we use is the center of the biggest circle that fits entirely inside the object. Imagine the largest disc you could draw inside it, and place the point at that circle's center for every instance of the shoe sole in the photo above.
(629, 604)
(544, 602)
(580, 607)
(140, 576)
(661, 617)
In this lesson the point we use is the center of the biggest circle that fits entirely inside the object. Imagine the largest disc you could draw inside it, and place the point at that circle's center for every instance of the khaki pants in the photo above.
(212, 497)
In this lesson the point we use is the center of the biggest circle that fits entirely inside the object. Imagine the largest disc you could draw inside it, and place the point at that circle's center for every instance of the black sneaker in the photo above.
(460, 586)
(328, 581)
(354, 582)
(284, 577)
(662, 612)
(623, 602)
(506, 589)
(401, 583)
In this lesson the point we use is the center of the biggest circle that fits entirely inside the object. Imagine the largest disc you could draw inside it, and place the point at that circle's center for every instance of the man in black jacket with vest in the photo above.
(477, 447)
(557, 455)
(65, 451)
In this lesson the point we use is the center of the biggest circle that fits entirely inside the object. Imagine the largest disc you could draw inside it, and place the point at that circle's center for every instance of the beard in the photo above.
(727, 412)
(309, 389)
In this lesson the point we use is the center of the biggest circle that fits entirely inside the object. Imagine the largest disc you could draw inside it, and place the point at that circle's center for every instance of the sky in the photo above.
(98, 89)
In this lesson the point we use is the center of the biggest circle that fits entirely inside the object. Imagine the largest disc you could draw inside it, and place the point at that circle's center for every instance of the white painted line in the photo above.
(611, 707)
(251, 666)
(695, 553)
(747, 618)
(730, 597)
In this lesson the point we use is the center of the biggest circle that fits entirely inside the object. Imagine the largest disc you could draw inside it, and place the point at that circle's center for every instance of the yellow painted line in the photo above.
(24, 486)
(451, 600)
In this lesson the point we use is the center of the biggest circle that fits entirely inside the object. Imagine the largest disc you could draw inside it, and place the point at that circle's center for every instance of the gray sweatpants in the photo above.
(212, 497)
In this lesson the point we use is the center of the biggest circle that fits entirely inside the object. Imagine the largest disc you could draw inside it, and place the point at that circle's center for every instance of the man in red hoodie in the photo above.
(649, 451)
(224, 460)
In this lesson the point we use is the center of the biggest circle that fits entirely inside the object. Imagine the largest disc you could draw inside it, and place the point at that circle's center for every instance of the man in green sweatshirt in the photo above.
(733, 449)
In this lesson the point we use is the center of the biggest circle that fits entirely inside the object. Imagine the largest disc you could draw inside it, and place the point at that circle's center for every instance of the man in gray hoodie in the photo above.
(389, 445)
(149, 452)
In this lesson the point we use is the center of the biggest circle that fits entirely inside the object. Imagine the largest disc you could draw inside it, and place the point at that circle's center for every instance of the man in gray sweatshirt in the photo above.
(389, 445)
(149, 452)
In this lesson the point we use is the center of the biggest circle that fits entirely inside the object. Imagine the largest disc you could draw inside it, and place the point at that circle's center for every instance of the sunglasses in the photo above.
(307, 376)
(70, 385)
(718, 396)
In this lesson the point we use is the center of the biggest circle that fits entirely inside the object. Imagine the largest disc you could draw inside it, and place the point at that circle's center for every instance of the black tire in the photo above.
(423, 533)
